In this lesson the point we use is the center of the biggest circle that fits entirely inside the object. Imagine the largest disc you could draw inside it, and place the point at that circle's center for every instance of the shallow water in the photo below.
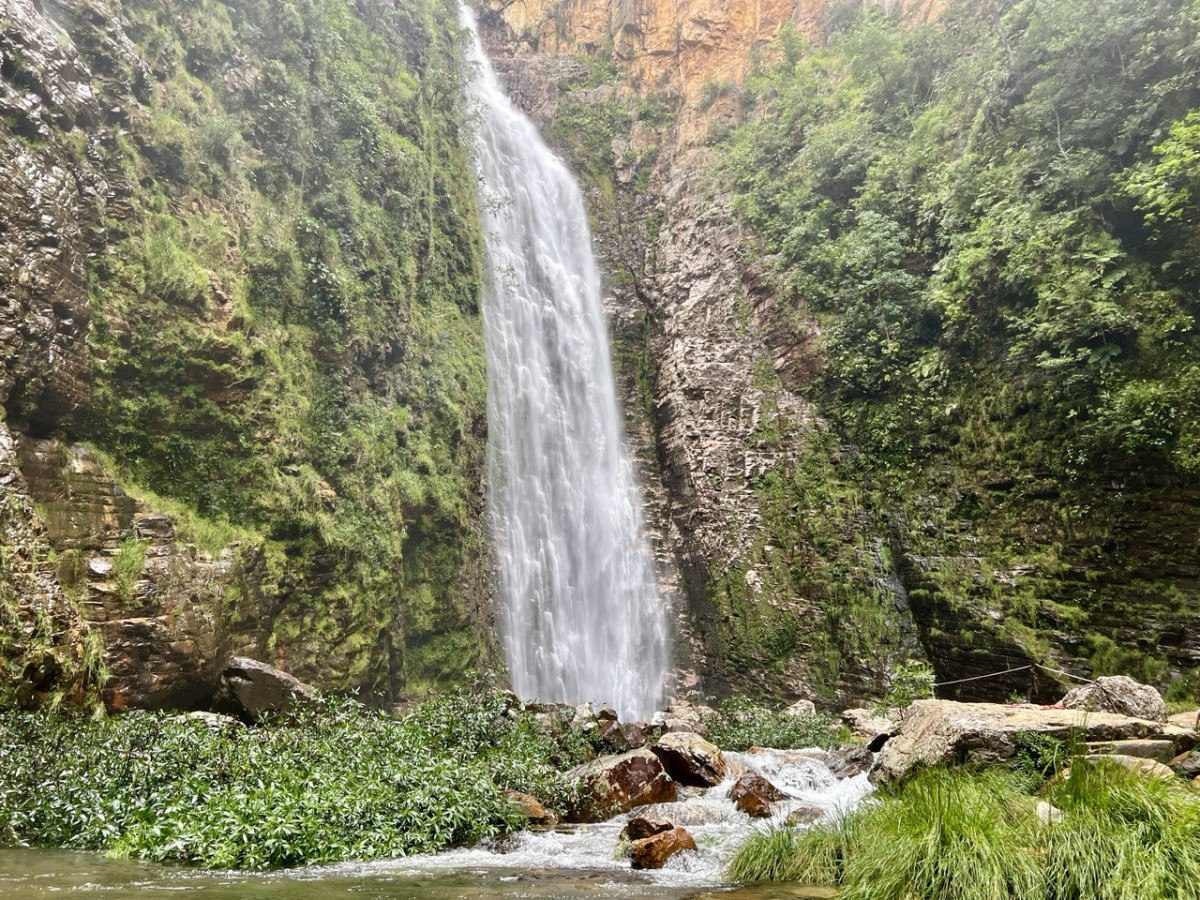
(40, 874)
(565, 863)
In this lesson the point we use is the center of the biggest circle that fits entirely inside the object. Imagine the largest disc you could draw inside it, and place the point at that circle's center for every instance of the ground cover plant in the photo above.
(333, 782)
(740, 724)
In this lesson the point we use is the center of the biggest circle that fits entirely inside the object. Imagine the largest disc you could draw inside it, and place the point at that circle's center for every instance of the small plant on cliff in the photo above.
(908, 681)
(127, 567)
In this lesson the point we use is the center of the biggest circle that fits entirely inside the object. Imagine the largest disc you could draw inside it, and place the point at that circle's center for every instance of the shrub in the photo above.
(908, 681)
(330, 783)
(740, 725)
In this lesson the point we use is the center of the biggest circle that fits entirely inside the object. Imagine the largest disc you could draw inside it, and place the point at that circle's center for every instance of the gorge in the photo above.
(405, 407)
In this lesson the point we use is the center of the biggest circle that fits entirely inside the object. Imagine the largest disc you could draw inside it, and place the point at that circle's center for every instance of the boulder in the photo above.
(753, 795)
(684, 716)
(1187, 765)
(850, 762)
(933, 732)
(253, 689)
(801, 709)
(871, 726)
(1118, 694)
(690, 759)
(616, 784)
(654, 851)
(1189, 719)
(641, 827)
(1161, 750)
(1149, 767)
(532, 809)
(803, 815)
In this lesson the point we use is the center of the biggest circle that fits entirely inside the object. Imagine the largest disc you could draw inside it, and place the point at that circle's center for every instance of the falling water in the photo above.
(581, 615)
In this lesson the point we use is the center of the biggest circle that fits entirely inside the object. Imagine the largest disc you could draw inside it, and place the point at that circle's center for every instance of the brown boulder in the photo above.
(654, 851)
(1187, 765)
(690, 759)
(253, 689)
(934, 732)
(616, 784)
(532, 809)
(1118, 694)
(754, 795)
(641, 827)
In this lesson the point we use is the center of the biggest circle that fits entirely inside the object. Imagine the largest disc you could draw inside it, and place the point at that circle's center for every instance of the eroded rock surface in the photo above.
(935, 732)
(653, 852)
(690, 759)
(1118, 694)
(617, 784)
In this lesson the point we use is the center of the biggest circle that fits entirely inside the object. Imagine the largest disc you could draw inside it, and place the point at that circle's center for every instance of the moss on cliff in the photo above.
(284, 335)
(990, 218)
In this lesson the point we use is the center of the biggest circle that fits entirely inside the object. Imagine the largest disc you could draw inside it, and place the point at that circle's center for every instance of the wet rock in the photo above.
(1118, 694)
(935, 732)
(616, 784)
(532, 809)
(690, 759)
(1187, 765)
(850, 762)
(870, 725)
(803, 815)
(654, 851)
(641, 827)
(253, 689)
(753, 795)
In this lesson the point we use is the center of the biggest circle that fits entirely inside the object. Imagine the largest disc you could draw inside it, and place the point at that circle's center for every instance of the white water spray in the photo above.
(581, 616)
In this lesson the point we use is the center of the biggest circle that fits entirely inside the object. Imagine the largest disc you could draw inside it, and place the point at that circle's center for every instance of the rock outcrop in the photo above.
(253, 689)
(690, 759)
(1118, 694)
(753, 794)
(616, 784)
(935, 732)
(653, 852)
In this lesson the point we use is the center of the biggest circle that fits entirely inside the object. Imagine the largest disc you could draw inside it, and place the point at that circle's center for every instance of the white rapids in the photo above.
(718, 827)
(581, 615)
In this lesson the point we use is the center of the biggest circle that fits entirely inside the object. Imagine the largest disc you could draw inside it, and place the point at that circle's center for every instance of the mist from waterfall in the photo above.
(581, 616)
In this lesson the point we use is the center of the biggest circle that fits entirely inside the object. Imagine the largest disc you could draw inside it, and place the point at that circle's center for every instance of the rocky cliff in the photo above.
(241, 365)
(801, 564)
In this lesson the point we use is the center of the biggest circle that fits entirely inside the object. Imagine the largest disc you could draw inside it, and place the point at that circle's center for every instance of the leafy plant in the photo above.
(740, 724)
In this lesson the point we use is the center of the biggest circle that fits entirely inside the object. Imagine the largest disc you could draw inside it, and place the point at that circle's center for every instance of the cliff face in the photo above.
(798, 566)
(241, 365)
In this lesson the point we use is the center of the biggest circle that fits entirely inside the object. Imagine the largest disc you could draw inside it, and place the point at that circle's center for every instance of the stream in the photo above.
(568, 862)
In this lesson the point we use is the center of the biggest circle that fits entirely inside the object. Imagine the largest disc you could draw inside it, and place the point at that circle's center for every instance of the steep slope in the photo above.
(241, 361)
(813, 556)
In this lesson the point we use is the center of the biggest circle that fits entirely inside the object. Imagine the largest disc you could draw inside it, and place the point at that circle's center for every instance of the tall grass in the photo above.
(976, 836)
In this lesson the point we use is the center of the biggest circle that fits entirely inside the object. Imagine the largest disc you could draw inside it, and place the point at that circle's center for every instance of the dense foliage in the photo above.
(284, 335)
(993, 220)
(330, 783)
(740, 724)
(978, 836)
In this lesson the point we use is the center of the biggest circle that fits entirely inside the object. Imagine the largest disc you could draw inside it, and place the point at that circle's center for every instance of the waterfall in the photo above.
(581, 617)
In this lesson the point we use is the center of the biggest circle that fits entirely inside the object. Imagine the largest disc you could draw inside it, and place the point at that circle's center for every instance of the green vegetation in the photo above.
(285, 342)
(978, 836)
(992, 219)
(908, 681)
(740, 725)
(332, 782)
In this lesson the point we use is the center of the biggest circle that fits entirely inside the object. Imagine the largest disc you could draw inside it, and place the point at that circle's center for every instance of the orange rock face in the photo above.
(684, 45)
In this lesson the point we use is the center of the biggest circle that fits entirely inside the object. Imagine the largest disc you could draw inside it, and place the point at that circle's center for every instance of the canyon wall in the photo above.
(241, 363)
(797, 568)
